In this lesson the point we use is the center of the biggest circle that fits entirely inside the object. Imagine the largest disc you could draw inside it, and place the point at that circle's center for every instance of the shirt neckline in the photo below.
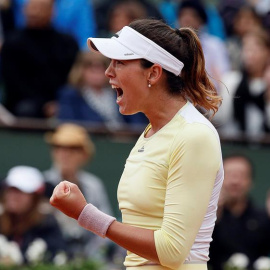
(149, 125)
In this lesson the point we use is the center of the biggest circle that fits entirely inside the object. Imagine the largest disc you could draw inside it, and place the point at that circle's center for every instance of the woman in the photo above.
(88, 98)
(23, 220)
(169, 189)
(244, 110)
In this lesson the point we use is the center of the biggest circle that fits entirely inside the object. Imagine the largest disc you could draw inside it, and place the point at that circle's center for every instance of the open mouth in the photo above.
(119, 92)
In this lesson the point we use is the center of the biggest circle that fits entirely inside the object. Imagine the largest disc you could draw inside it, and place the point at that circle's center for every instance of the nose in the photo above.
(109, 72)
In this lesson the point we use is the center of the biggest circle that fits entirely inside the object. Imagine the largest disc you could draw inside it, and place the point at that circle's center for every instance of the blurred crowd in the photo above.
(47, 72)
(35, 230)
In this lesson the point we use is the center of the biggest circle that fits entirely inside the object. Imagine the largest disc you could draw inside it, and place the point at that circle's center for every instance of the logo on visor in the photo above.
(126, 54)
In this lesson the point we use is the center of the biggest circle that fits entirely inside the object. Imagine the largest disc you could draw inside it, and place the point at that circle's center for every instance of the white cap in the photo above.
(26, 179)
(132, 45)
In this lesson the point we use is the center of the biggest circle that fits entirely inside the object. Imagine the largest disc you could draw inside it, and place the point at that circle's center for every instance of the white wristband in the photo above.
(95, 220)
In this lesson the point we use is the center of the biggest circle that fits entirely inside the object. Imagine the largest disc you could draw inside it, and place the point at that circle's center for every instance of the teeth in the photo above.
(114, 87)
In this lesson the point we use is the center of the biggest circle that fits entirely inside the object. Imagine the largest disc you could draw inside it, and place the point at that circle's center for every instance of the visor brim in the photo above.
(111, 48)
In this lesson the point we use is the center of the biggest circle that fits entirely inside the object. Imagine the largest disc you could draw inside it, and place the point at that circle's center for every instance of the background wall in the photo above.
(29, 148)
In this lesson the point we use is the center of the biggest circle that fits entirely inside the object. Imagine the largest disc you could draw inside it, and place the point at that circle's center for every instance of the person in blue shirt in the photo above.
(89, 98)
(73, 17)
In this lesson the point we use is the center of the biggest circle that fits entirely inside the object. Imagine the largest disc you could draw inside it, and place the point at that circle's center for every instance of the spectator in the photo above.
(88, 96)
(132, 9)
(245, 20)
(41, 62)
(123, 13)
(215, 25)
(241, 227)
(6, 20)
(243, 110)
(35, 63)
(228, 10)
(71, 149)
(22, 219)
(73, 17)
(6, 26)
(192, 13)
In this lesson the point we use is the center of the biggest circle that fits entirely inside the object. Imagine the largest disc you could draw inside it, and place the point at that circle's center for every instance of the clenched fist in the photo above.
(68, 198)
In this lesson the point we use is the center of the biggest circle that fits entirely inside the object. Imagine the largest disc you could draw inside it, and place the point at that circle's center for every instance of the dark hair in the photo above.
(184, 44)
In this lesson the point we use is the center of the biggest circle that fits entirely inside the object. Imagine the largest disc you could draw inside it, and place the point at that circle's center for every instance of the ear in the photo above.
(155, 72)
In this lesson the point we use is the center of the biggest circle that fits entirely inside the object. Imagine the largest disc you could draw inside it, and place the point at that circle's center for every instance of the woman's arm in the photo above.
(193, 167)
(68, 198)
(137, 240)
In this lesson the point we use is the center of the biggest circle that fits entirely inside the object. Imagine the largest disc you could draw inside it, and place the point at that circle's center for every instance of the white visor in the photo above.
(132, 45)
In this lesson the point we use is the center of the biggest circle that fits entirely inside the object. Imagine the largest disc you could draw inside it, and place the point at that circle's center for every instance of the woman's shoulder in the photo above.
(193, 126)
(200, 132)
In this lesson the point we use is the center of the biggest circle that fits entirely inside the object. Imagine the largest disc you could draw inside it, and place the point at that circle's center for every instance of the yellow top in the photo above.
(170, 184)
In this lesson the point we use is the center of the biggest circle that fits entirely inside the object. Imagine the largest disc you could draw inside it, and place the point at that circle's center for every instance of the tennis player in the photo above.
(170, 185)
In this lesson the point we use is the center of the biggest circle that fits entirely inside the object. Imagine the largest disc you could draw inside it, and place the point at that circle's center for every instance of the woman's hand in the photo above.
(68, 198)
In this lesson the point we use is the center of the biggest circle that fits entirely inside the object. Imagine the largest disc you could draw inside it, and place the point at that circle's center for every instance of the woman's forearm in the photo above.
(137, 240)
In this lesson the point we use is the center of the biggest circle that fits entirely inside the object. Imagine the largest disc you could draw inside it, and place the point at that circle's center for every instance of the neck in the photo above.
(163, 112)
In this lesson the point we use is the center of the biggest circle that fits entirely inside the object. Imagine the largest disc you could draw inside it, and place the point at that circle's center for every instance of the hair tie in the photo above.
(177, 31)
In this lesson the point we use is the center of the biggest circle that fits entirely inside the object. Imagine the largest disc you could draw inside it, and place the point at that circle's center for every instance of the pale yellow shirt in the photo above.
(170, 184)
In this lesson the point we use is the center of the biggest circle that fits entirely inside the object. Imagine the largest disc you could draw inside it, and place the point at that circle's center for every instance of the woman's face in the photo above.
(129, 79)
(17, 202)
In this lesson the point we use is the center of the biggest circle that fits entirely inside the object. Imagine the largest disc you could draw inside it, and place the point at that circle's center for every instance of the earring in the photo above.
(149, 84)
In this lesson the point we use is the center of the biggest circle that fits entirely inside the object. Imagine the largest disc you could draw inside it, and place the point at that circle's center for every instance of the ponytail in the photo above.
(197, 85)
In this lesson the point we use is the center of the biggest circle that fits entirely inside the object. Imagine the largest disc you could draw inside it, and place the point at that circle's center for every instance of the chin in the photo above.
(123, 112)
(127, 112)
